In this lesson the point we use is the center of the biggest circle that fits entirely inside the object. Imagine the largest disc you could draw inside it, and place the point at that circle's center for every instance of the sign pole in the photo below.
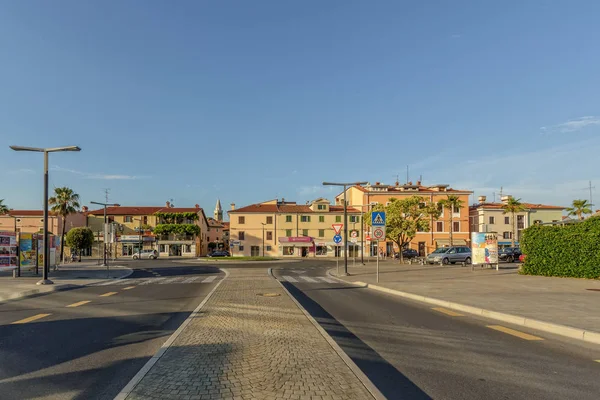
(337, 259)
(378, 263)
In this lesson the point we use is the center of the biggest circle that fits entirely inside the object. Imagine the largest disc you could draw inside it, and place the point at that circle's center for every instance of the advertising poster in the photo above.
(8, 251)
(484, 248)
(40, 246)
(27, 250)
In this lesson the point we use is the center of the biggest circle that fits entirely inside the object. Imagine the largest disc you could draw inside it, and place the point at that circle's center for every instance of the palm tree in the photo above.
(3, 207)
(452, 202)
(580, 207)
(513, 206)
(64, 202)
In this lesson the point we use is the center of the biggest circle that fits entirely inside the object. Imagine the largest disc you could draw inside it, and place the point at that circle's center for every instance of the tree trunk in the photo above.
(62, 240)
(451, 228)
(514, 233)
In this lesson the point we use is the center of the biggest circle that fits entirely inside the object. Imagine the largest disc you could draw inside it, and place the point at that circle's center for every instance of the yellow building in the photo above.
(285, 229)
(146, 226)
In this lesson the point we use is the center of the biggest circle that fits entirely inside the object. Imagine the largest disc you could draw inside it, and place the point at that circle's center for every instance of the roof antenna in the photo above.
(106, 192)
(407, 174)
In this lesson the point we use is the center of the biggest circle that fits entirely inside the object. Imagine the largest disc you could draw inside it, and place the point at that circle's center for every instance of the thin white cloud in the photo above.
(573, 125)
(21, 171)
(88, 175)
(314, 190)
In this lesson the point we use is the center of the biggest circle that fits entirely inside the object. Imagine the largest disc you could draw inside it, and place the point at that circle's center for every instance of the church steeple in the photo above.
(218, 211)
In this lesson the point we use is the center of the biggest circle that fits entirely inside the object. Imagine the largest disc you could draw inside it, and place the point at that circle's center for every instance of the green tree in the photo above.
(64, 202)
(3, 207)
(579, 208)
(451, 202)
(80, 238)
(513, 206)
(404, 218)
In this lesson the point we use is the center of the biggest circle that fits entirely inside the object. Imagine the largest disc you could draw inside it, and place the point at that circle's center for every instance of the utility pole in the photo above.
(590, 188)
(345, 186)
(105, 264)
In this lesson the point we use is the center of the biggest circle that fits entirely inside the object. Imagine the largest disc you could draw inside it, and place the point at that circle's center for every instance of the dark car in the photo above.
(407, 254)
(509, 254)
(220, 253)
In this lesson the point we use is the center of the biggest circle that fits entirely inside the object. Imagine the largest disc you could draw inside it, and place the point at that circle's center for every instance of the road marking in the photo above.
(109, 282)
(128, 287)
(447, 312)
(209, 279)
(79, 303)
(289, 279)
(108, 294)
(298, 272)
(326, 279)
(307, 279)
(170, 280)
(598, 361)
(513, 332)
(152, 280)
(190, 280)
(30, 319)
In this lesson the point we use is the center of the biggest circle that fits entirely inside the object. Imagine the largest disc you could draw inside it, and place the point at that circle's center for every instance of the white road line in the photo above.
(190, 280)
(307, 278)
(171, 280)
(288, 279)
(326, 279)
(109, 282)
(127, 282)
(209, 279)
(152, 280)
(299, 272)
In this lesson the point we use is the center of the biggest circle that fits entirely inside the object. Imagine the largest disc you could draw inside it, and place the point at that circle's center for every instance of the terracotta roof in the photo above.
(214, 223)
(257, 208)
(287, 208)
(27, 213)
(526, 205)
(143, 210)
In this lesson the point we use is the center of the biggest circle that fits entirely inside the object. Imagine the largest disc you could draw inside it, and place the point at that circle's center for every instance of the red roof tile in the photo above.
(143, 210)
(287, 208)
(526, 205)
(257, 208)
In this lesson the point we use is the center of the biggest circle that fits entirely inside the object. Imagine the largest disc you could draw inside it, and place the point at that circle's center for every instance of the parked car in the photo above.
(450, 255)
(146, 254)
(407, 254)
(509, 254)
(220, 253)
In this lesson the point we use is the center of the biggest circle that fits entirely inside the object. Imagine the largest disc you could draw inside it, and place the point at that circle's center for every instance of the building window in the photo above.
(269, 235)
(492, 220)
(321, 233)
(520, 222)
(456, 210)
(268, 248)
(321, 218)
(127, 218)
(456, 226)
(304, 232)
(241, 220)
(305, 218)
(145, 220)
(241, 235)
(288, 218)
(507, 235)
(241, 248)
(338, 218)
(269, 220)
(163, 248)
(439, 226)
(354, 218)
(288, 233)
(288, 250)
(539, 221)
(321, 207)
(507, 220)
(321, 250)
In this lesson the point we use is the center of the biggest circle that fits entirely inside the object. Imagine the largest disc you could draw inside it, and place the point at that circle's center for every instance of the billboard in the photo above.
(484, 247)
(8, 251)
(27, 250)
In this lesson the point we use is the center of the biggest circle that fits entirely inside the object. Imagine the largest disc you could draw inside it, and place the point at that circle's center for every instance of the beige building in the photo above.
(32, 221)
(285, 229)
(490, 217)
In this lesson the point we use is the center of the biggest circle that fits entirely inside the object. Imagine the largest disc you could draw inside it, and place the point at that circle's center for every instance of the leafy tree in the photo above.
(3, 207)
(80, 238)
(64, 202)
(212, 246)
(579, 208)
(178, 229)
(513, 206)
(451, 203)
(404, 218)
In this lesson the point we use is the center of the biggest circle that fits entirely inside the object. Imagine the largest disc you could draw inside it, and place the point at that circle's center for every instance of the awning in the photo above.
(455, 242)
(296, 244)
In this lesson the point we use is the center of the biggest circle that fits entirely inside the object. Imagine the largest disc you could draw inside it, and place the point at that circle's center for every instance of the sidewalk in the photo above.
(243, 345)
(564, 301)
(67, 276)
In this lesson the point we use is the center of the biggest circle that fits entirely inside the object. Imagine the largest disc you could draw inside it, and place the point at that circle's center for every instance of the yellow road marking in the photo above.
(128, 287)
(598, 361)
(30, 319)
(79, 303)
(447, 312)
(108, 294)
(513, 332)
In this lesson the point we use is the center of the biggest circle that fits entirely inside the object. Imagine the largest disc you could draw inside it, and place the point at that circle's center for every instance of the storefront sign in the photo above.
(8, 251)
(300, 239)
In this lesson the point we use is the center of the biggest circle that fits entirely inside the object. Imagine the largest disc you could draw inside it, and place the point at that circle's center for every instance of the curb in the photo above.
(557, 329)
(362, 285)
(148, 366)
(371, 388)
(35, 292)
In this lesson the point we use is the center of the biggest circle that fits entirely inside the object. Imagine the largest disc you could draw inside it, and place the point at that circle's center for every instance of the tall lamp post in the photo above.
(345, 186)
(263, 245)
(104, 264)
(45, 280)
(140, 244)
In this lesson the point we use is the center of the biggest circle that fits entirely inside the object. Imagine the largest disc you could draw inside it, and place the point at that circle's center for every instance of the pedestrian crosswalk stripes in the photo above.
(209, 279)
(311, 279)
(160, 281)
(307, 279)
(289, 279)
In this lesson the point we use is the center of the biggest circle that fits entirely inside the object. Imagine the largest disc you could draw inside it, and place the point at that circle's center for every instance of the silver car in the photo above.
(450, 255)
(148, 254)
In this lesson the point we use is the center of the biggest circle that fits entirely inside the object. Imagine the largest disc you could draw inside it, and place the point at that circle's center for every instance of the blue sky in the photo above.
(251, 100)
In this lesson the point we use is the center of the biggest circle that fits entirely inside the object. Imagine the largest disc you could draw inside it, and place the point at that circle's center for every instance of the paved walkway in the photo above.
(246, 346)
(564, 301)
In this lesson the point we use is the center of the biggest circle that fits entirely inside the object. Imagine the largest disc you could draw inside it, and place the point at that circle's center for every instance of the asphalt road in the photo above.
(411, 351)
(87, 343)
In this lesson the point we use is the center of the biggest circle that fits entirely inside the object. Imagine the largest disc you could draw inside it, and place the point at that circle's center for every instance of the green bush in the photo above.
(183, 229)
(80, 238)
(572, 250)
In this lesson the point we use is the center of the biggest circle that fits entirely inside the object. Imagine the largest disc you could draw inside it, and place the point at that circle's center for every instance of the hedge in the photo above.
(571, 250)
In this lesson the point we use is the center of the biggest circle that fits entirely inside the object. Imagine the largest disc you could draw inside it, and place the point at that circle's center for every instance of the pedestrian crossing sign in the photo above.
(378, 218)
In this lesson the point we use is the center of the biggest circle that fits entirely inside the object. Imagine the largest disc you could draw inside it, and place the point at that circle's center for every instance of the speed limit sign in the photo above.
(379, 233)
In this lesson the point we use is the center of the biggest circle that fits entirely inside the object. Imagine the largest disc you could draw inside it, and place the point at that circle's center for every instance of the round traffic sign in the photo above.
(368, 238)
(354, 234)
(378, 233)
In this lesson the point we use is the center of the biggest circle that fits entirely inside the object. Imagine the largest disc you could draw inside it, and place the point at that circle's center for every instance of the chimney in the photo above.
(84, 209)
(410, 183)
(232, 206)
(197, 206)
(168, 204)
(481, 199)
(418, 183)
(377, 183)
(504, 199)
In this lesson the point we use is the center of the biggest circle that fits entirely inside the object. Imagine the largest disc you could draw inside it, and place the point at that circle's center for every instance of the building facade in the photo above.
(365, 197)
(490, 217)
(32, 221)
(280, 228)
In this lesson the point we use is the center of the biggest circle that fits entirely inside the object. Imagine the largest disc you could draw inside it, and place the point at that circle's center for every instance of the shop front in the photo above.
(130, 244)
(302, 246)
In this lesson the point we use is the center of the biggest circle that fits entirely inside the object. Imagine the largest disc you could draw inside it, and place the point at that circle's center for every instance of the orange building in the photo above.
(365, 197)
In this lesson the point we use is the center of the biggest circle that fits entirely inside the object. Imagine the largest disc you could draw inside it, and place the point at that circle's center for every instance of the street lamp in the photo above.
(263, 245)
(45, 280)
(104, 264)
(140, 244)
(345, 186)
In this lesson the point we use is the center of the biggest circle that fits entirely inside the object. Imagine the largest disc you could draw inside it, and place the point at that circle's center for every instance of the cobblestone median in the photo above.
(247, 346)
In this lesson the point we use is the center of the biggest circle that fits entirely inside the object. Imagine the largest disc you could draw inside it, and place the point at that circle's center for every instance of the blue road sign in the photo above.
(378, 218)
(337, 239)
